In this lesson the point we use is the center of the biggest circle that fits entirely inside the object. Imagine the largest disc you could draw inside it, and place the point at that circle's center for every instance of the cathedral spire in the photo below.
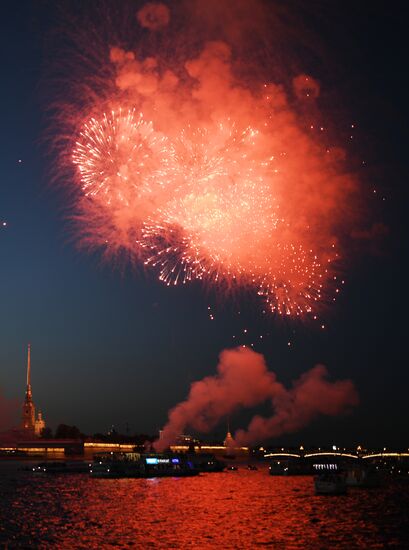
(29, 366)
(28, 406)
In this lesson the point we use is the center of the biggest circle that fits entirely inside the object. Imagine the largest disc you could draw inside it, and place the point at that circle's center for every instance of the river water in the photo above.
(235, 509)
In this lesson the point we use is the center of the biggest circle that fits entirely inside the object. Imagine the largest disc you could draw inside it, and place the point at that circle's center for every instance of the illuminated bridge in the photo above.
(336, 454)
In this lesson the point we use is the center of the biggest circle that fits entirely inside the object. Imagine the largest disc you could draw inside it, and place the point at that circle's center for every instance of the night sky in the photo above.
(115, 347)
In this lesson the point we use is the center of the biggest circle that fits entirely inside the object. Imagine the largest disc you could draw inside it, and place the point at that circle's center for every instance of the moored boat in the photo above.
(330, 483)
(206, 462)
(136, 465)
(73, 467)
(360, 476)
(290, 467)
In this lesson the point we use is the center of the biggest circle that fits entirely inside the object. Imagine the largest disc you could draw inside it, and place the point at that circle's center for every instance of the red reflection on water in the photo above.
(241, 509)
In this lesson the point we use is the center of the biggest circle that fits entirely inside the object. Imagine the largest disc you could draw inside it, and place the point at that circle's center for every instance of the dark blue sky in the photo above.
(111, 347)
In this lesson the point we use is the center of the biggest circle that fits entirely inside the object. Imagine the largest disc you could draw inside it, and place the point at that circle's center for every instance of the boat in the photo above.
(290, 467)
(12, 453)
(362, 476)
(206, 462)
(168, 465)
(136, 465)
(111, 469)
(330, 483)
(251, 467)
(232, 468)
(74, 467)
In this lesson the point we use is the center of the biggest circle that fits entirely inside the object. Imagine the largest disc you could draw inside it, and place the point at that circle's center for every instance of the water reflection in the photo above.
(243, 509)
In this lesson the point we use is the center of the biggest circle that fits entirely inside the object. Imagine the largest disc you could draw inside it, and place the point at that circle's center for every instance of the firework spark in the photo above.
(227, 225)
(198, 176)
(120, 158)
(224, 199)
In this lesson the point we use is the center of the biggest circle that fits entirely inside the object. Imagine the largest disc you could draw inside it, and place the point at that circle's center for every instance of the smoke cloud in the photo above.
(243, 381)
(153, 16)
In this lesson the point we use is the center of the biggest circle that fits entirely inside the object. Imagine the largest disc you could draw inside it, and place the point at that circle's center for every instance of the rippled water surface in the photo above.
(243, 509)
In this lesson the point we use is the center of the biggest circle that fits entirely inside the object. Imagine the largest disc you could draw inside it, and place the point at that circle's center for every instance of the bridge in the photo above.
(337, 454)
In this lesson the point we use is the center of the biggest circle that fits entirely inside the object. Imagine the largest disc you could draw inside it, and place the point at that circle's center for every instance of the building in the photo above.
(229, 441)
(39, 424)
(30, 424)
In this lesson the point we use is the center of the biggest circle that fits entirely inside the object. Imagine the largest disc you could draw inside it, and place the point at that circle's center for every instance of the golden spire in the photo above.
(29, 366)
(28, 406)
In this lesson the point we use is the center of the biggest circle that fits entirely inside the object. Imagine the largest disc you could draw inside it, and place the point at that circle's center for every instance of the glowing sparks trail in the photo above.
(224, 200)
(120, 158)
(212, 181)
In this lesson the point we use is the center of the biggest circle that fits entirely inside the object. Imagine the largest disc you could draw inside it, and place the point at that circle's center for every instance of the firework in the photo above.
(224, 199)
(121, 159)
(206, 204)
(124, 168)
(213, 181)
(226, 225)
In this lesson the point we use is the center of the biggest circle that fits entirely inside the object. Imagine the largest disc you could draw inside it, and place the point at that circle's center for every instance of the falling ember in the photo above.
(201, 177)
